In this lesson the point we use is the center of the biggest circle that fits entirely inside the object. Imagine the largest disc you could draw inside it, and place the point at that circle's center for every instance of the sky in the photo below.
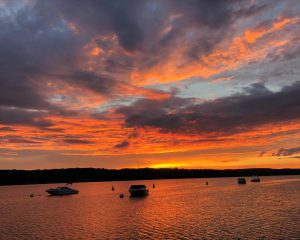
(149, 83)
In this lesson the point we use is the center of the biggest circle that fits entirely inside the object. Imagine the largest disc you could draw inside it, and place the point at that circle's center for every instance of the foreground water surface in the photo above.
(175, 209)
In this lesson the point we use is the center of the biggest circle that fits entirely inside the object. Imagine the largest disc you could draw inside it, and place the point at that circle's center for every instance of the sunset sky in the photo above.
(149, 83)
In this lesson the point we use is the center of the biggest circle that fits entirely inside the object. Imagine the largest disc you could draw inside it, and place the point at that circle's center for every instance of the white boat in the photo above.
(138, 191)
(60, 191)
(255, 179)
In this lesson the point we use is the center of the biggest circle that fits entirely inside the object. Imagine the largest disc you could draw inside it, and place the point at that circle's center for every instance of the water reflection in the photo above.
(175, 209)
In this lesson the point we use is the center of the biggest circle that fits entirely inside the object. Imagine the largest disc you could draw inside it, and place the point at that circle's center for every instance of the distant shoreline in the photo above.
(72, 175)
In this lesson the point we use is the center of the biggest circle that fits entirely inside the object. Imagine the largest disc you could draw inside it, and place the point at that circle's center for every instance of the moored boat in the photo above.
(241, 181)
(138, 191)
(60, 191)
(255, 179)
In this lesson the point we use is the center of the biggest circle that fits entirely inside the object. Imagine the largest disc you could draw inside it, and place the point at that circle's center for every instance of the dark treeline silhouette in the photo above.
(14, 177)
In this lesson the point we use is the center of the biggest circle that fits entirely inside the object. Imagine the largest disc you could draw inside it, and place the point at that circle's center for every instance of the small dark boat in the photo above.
(60, 191)
(241, 181)
(255, 179)
(138, 191)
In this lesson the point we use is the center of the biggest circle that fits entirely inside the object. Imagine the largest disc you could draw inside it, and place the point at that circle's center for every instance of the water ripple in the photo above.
(175, 209)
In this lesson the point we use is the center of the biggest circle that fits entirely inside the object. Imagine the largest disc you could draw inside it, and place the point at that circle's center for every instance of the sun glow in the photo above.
(169, 165)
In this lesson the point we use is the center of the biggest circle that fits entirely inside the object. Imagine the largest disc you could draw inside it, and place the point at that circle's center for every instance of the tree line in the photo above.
(71, 175)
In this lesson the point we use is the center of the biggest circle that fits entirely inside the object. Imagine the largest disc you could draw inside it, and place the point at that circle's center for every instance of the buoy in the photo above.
(31, 195)
(121, 195)
(206, 183)
(153, 186)
(113, 189)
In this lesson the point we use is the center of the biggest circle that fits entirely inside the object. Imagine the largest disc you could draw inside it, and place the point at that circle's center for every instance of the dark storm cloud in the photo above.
(262, 153)
(14, 116)
(291, 51)
(102, 17)
(95, 82)
(200, 12)
(32, 45)
(36, 40)
(77, 141)
(224, 116)
(16, 91)
(17, 139)
(123, 144)
(37, 44)
(7, 129)
(133, 134)
(212, 18)
(138, 24)
(287, 151)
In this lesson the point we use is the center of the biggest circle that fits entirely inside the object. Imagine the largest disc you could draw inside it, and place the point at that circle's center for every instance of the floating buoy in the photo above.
(206, 183)
(31, 195)
(153, 186)
(112, 188)
(121, 195)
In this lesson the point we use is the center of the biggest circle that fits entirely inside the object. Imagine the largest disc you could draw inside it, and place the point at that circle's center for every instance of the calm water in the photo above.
(175, 209)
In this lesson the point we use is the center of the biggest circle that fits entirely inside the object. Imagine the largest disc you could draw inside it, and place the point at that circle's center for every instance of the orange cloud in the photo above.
(252, 35)
(88, 138)
(96, 51)
(242, 49)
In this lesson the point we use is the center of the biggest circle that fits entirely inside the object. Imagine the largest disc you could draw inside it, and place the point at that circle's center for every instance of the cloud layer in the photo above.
(224, 116)
(145, 77)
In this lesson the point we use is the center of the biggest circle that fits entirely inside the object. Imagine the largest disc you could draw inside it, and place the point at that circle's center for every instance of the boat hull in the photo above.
(54, 192)
(139, 193)
(241, 181)
(255, 180)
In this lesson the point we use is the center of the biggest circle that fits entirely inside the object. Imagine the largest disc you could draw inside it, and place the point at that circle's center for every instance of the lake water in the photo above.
(175, 209)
